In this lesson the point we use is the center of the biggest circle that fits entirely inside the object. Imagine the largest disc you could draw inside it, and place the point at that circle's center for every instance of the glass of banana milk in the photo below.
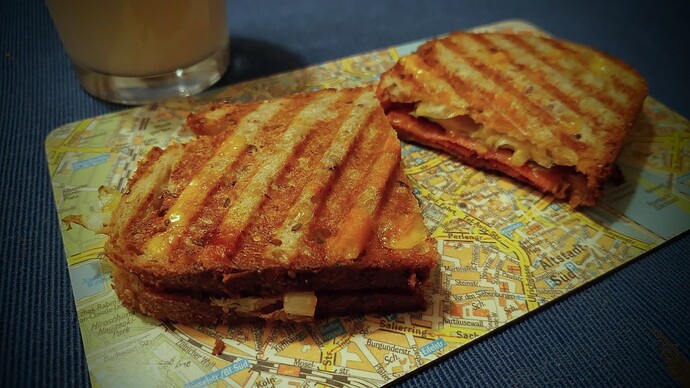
(141, 51)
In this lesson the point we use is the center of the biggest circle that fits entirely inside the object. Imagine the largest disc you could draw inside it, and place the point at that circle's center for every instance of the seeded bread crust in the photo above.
(572, 102)
(199, 309)
(304, 193)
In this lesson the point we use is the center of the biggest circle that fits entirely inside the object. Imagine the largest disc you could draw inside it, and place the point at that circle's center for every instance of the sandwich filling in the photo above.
(486, 139)
(479, 145)
(295, 306)
(286, 209)
(547, 112)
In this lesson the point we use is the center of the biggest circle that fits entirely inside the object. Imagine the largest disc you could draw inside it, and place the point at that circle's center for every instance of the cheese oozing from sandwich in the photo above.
(487, 139)
(515, 103)
(287, 209)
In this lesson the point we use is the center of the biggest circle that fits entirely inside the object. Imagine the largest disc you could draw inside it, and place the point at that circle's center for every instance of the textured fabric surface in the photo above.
(628, 329)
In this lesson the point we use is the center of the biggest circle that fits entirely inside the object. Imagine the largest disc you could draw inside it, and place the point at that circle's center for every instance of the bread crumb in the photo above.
(218, 347)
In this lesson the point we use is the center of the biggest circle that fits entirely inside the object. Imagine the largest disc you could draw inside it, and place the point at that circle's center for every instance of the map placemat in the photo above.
(506, 250)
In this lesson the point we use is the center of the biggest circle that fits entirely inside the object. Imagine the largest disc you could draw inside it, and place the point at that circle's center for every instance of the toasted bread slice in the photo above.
(209, 310)
(303, 193)
(545, 111)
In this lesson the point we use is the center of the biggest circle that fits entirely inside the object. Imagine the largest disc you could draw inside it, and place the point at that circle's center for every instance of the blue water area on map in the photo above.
(91, 162)
(332, 329)
(432, 347)
(683, 183)
(648, 207)
(606, 219)
(219, 374)
(508, 230)
(87, 279)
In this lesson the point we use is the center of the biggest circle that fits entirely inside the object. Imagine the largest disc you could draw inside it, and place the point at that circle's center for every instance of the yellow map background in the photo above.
(506, 249)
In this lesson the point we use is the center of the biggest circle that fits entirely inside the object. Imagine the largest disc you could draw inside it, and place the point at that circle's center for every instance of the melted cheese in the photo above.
(245, 305)
(353, 236)
(300, 304)
(408, 232)
(485, 138)
(431, 110)
(159, 245)
(295, 304)
(600, 66)
(186, 206)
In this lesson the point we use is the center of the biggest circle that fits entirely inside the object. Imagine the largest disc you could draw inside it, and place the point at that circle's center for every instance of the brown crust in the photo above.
(186, 308)
(237, 227)
(218, 347)
(561, 182)
(571, 99)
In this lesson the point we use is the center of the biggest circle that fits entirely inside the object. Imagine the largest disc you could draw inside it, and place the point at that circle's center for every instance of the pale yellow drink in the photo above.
(139, 38)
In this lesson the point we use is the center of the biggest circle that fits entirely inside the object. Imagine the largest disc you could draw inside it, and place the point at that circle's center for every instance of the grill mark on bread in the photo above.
(145, 190)
(190, 183)
(429, 77)
(263, 236)
(474, 93)
(203, 263)
(238, 214)
(545, 77)
(619, 71)
(358, 223)
(227, 197)
(618, 86)
(531, 47)
(526, 110)
(220, 117)
(324, 172)
(201, 179)
(332, 212)
(587, 100)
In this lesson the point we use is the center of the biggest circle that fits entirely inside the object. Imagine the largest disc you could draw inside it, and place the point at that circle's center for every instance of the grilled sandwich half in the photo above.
(287, 209)
(547, 112)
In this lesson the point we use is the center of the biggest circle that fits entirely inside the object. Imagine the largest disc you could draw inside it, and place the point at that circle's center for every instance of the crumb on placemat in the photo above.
(218, 347)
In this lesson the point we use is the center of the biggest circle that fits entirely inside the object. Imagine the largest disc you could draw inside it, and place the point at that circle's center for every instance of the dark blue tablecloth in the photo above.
(628, 329)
